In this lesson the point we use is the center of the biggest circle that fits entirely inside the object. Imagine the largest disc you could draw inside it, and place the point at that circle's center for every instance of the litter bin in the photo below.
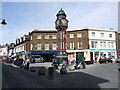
(51, 73)
(41, 71)
(63, 71)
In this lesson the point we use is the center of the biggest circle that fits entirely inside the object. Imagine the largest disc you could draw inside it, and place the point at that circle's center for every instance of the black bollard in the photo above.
(41, 71)
(63, 71)
(21, 66)
(33, 69)
(51, 73)
(25, 67)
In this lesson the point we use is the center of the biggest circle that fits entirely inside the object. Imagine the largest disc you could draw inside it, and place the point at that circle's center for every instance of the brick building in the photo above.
(41, 45)
(118, 44)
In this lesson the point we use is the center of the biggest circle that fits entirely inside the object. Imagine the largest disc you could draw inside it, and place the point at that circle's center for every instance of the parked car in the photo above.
(109, 60)
(117, 60)
(102, 61)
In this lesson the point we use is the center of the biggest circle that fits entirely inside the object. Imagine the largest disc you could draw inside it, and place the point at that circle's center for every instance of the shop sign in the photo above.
(103, 50)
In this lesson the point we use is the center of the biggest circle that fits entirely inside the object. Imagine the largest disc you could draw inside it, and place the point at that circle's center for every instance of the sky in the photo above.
(24, 17)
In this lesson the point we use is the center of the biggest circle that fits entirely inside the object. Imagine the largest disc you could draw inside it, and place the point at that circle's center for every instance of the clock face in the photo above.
(64, 22)
(58, 22)
(61, 22)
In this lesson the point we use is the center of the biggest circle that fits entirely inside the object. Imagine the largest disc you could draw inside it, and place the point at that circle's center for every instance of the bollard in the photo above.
(51, 73)
(25, 67)
(41, 71)
(32, 69)
(118, 68)
(21, 66)
(63, 71)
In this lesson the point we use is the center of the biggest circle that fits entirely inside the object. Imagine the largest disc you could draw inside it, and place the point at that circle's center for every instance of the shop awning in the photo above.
(43, 52)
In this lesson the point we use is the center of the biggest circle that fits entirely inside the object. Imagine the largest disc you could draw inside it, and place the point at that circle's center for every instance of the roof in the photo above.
(42, 31)
(92, 29)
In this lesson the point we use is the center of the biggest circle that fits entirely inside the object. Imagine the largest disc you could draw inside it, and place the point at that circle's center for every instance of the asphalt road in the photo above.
(94, 76)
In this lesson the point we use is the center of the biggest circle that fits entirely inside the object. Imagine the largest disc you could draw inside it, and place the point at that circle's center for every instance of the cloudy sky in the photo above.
(23, 17)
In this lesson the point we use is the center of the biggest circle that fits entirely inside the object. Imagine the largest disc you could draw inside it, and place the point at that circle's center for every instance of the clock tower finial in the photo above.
(61, 13)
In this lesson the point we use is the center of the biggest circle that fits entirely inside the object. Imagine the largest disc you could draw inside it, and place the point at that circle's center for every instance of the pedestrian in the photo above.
(28, 63)
(83, 63)
(64, 64)
(55, 63)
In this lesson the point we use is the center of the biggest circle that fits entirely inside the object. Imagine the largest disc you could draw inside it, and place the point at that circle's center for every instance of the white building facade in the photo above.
(102, 43)
(4, 51)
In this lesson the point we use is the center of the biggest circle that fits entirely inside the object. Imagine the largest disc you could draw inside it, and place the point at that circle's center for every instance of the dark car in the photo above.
(102, 61)
(108, 60)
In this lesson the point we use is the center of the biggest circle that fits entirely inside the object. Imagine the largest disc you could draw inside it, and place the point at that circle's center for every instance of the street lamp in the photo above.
(3, 22)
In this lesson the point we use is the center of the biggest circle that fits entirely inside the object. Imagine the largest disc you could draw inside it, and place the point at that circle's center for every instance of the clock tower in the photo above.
(61, 25)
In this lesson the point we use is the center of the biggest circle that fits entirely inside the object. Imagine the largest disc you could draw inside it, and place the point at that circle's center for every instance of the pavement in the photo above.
(94, 76)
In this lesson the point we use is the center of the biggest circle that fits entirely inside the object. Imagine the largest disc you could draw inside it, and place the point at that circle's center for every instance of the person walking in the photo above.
(83, 63)
(55, 63)
(64, 64)
(28, 63)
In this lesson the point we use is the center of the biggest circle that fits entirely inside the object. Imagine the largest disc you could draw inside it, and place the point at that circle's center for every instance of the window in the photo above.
(110, 44)
(24, 38)
(111, 55)
(79, 45)
(104, 44)
(61, 34)
(31, 37)
(47, 36)
(39, 46)
(31, 46)
(46, 46)
(119, 36)
(110, 35)
(71, 35)
(102, 35)
(21, 40)
(94, 44)
(24, 47)
(79, 35)
(93, 34)
(72, 45)
(38, 36)
(54, 36)
(54, 46)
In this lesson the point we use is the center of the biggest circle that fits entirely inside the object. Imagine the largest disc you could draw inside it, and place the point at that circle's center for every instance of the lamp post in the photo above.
(3, 22)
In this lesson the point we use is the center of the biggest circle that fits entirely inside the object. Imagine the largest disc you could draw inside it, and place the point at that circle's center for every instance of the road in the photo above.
(94, 76)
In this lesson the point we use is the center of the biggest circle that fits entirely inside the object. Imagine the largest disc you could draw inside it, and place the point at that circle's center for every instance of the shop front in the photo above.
(102, 54)
(77, 55)
(41, 56)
